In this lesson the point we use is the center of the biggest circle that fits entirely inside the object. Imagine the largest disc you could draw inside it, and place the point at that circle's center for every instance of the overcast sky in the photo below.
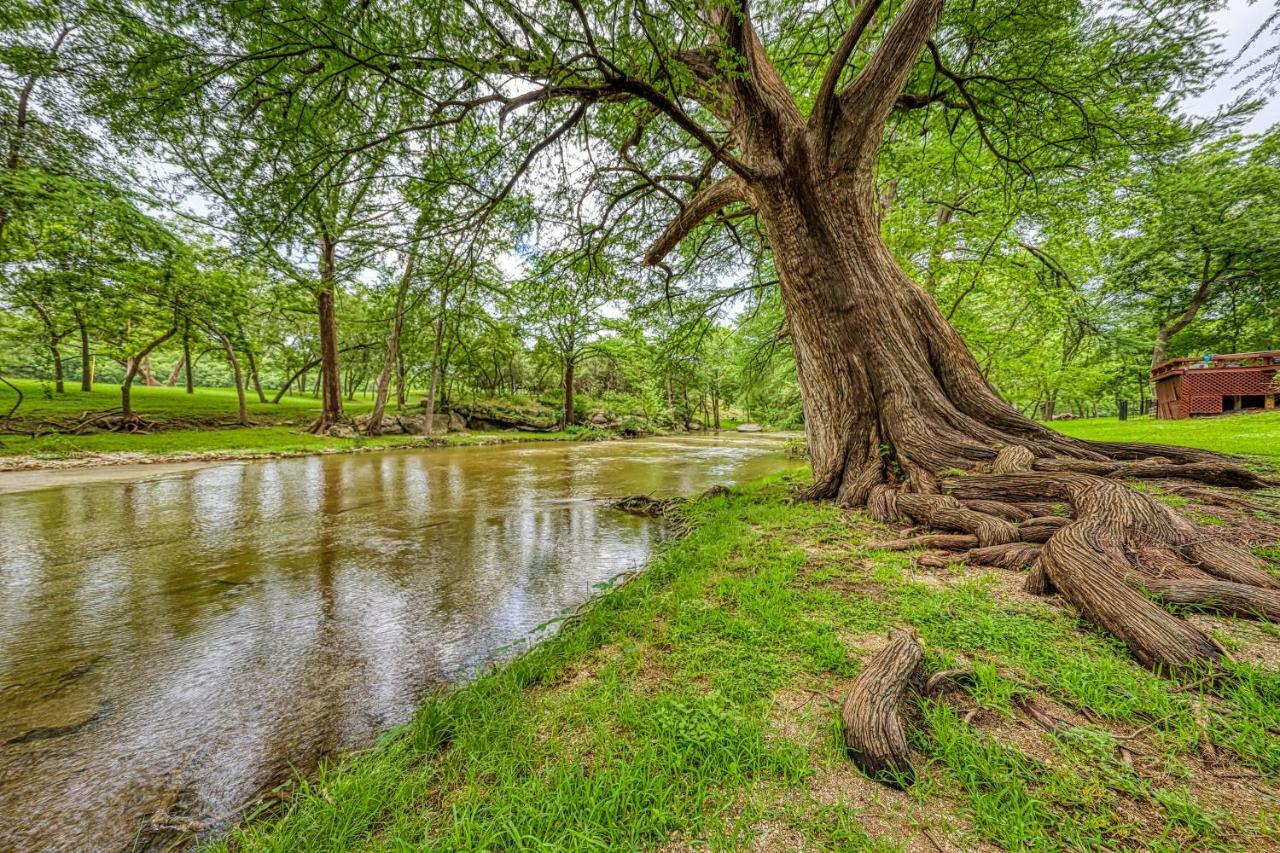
(1238, 22)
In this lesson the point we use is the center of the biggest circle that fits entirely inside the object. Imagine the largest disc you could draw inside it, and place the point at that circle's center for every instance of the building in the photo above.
(1213, 384)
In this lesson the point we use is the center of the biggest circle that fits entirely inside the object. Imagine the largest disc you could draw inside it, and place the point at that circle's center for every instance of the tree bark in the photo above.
(435, 358)
(188, 364)
(53, 342)
(131, 371)
(253, 374)
(1204, 291)
(86, 372)
(893, 399)
(229, 348)
(871, 713)
(392, 358)
(330, 376)
(177, 369)
(568, 390)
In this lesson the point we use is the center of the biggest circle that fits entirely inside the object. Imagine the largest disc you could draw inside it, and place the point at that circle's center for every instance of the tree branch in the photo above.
(716, 197)
(823, 115)
(866, 103)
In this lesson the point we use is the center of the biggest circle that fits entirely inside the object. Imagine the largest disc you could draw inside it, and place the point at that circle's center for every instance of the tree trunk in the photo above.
(253, 374)
(400, 377)
(330, 376)
(188, 364)
(86, 371)
(435, 358)
(715, 406)
(177, 369)
(55, 353)
(568, 391)
(392, 358)
(237, 374)
(893, 398)
(127, 419)
(300, 375)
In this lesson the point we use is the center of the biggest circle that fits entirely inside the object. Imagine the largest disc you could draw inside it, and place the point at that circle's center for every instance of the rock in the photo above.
(412, 424)
(750, 428)
(1065, 416)
(693, 426)
(456, 423)
(342, 431)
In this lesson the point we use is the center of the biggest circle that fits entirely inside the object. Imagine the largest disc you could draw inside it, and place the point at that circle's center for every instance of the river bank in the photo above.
(697, 705)
(21, 453)
(176, 640)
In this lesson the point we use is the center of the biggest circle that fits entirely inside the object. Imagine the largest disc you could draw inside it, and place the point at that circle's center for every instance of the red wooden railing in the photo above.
(1269, 358)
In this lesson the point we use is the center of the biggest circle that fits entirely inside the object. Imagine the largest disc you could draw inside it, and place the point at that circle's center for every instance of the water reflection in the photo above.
(168, 646)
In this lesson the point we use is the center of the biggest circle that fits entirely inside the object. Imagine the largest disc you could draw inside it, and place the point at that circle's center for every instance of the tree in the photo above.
(1201, 229)
(566, 297)
(893, 399)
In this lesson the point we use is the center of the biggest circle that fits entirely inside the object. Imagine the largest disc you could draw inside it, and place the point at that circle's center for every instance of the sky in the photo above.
(1238, 22)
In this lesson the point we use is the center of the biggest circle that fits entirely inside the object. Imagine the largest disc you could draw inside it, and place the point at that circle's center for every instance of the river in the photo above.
(174, 641)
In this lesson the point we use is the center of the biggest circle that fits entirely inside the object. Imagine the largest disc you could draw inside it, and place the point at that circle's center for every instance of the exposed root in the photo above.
(648, 506)
(1040, 529)
(1219, 499)
(1007, 511)
(1015, 457)
(1087, 563)
(873, 731)
(945, 541)
(1014, 555)
(1037, 582)
(943, 512)
(1213, 473)
(1224, 596)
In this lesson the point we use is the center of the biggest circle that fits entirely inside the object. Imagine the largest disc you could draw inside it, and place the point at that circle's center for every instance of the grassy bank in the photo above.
(697, 706)
(213, 444)
(1252, 434)
(277, 429)
(161, 403)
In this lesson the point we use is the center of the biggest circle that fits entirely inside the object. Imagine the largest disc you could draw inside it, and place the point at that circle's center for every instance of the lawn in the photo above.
(159, 402)
(1252, 434)
(696, 706)
(278, 430)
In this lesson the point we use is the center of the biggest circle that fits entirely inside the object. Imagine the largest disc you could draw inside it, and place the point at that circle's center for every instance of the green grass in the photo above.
(278, 428)
(1252, 434)
(270, 440)
(159, 402)
(697, 705)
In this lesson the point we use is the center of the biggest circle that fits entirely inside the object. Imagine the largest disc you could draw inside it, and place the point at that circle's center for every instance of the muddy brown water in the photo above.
(174, 641)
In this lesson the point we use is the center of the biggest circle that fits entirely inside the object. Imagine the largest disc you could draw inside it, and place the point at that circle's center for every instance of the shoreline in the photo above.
(84, 460)
(709, 683)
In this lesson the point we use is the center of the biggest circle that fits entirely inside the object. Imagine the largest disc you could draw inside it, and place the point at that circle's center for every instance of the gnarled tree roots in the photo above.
(1114, 552)
(873, 730)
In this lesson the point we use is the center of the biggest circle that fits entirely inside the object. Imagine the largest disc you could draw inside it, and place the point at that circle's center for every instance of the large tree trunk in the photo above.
(893, 399)
(330, 377)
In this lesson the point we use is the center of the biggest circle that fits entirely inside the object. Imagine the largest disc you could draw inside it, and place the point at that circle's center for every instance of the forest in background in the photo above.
(129, 254)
